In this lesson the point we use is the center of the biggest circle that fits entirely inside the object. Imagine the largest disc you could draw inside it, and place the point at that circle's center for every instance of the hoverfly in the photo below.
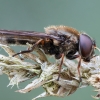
(59, 41)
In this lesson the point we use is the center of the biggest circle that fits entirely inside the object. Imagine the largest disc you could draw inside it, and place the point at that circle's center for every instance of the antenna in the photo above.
(97, 48)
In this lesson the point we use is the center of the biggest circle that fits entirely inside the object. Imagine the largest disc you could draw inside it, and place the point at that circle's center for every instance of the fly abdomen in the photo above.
(15, 41)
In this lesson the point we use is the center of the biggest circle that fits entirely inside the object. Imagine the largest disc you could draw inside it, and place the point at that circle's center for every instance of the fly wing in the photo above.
(22, 37)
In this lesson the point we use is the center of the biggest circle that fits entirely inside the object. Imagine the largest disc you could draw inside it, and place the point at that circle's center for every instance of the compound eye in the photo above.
(85, 46)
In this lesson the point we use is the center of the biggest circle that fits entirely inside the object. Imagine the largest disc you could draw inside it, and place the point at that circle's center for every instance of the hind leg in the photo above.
(29, 50)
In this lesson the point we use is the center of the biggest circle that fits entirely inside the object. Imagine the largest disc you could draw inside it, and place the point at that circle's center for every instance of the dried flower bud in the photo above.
(46, 73)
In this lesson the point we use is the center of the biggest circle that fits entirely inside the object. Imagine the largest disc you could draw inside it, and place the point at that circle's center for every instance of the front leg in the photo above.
(71, 57)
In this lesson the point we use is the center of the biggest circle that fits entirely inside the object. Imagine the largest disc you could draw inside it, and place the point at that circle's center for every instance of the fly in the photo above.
(59, 41)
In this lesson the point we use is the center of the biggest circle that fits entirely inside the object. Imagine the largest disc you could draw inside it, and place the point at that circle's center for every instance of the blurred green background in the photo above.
(83, 15)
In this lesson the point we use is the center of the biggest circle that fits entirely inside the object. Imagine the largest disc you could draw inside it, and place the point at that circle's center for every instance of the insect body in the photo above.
(57, 40)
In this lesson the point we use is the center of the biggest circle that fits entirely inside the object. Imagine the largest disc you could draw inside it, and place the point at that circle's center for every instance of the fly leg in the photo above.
(79, 65)
(71, 57)
(60, 66)
(78, 68)
(30, 50)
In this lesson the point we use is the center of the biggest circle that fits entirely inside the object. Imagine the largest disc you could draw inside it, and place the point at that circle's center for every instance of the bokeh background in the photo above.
(83, 15)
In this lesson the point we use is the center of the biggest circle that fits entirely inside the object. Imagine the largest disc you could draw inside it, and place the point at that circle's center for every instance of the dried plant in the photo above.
(46, 73)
